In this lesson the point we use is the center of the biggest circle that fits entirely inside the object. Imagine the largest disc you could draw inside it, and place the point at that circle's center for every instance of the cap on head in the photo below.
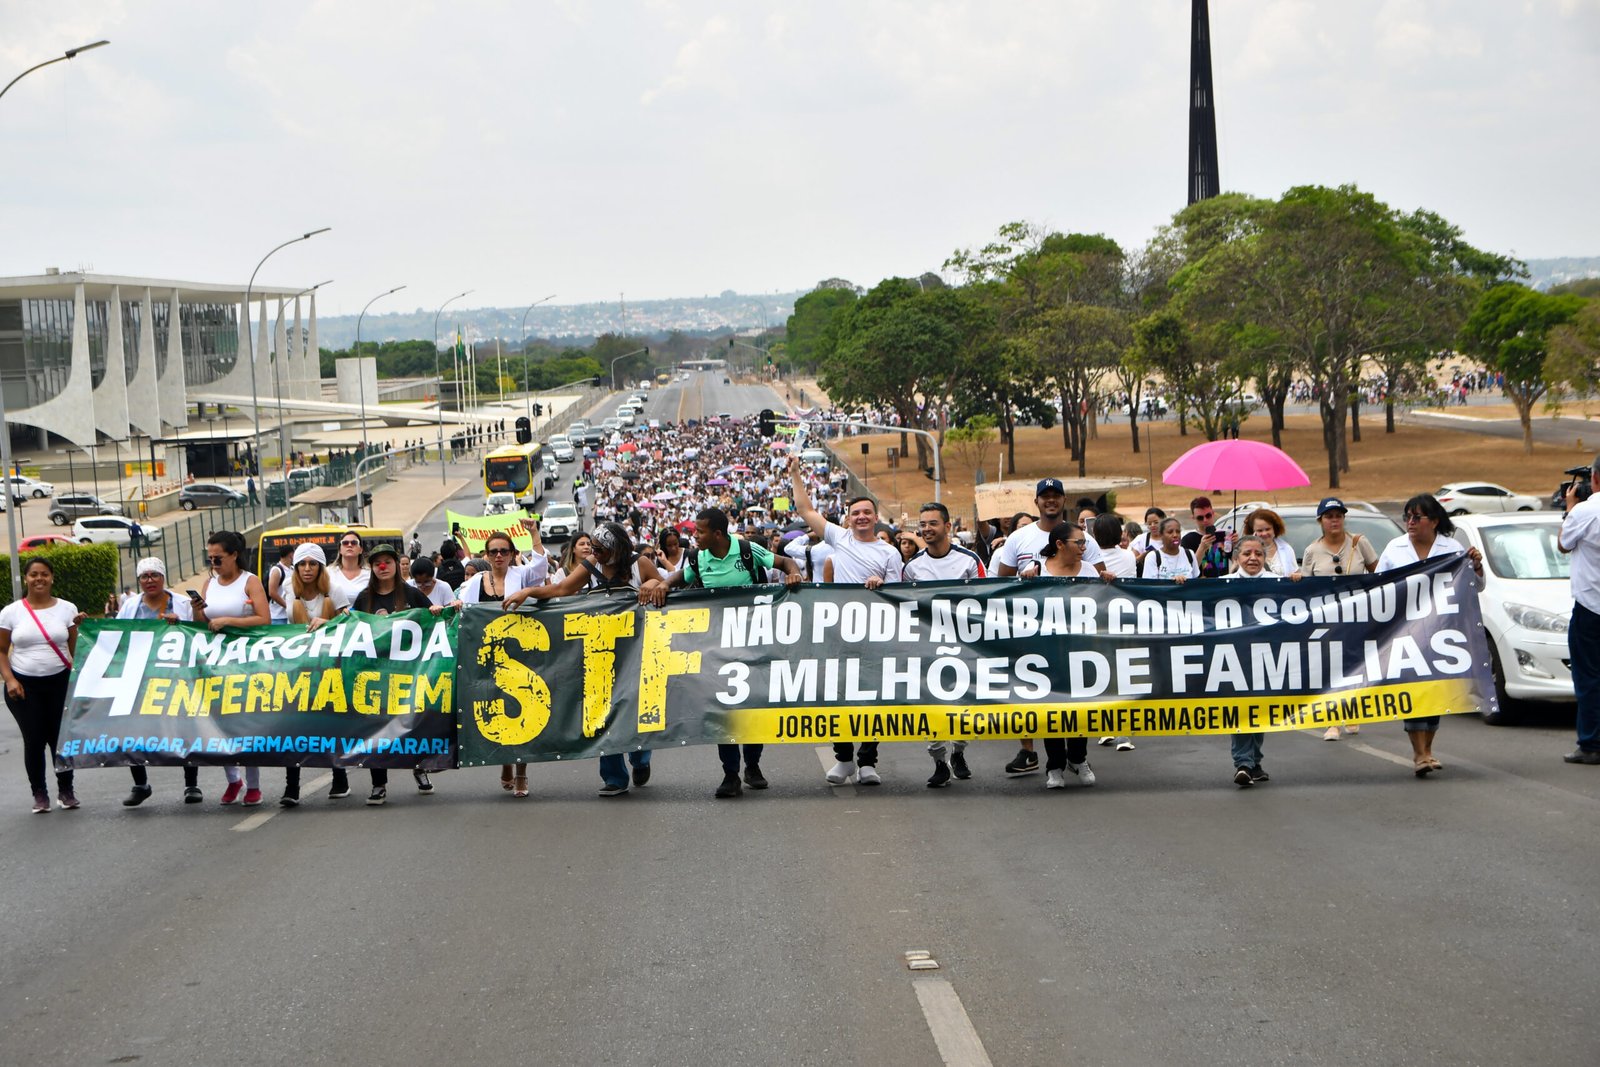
(383, 550)
(1330, 503)
(1050, 485)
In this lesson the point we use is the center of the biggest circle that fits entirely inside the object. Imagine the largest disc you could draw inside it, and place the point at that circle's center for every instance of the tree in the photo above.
(810, 325)
(1574, 362)
(1510, 331)
(972, 440)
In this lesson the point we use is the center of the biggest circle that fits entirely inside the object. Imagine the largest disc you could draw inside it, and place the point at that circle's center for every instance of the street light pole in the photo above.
(5, 430)
(250, 337)
(361, 379)
(438, 375)
(277, 387)
(624, 355)
(527, 397)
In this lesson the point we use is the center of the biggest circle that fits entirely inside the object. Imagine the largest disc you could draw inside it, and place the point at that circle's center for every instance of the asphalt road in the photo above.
(1344, 913)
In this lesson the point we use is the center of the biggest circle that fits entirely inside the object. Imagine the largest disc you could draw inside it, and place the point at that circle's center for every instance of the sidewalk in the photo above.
(410, 495)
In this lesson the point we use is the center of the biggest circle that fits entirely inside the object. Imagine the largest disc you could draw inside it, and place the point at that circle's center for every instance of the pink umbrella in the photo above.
(649, 504)
(1235, 465)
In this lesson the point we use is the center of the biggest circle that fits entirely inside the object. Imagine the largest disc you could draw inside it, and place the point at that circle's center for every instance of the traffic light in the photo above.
(767, 428)
(524, 430)
(538, 409)
(366, 499)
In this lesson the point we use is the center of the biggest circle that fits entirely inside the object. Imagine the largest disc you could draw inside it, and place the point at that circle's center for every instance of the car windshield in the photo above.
(1525, 553)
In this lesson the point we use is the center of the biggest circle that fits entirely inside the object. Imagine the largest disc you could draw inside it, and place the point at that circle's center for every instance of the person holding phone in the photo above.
(1212, 551)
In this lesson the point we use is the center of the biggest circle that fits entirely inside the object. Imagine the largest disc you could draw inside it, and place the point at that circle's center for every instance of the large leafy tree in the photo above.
(810, 326)
(1510, 331)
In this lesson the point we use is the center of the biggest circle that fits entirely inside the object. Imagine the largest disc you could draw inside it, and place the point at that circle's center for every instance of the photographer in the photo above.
(1214, 553)
(1580, 535)
(1577, 484)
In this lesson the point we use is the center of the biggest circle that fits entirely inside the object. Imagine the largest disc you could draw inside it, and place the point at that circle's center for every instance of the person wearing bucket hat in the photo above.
(154, 601)
(387, 592)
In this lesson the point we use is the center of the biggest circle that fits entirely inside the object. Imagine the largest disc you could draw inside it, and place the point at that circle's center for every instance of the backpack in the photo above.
(747, 557)
(452, 573)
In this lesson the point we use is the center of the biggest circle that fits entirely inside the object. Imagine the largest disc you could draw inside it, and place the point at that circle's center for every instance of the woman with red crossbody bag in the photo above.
(38, 637)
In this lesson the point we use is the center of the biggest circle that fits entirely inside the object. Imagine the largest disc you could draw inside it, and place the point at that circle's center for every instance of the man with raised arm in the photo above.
(859, 558)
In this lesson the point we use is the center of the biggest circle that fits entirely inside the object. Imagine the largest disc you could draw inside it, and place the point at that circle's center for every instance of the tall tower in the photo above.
(1203, 180)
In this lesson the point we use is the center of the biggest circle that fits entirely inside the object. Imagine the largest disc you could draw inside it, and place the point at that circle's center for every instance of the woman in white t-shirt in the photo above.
(234, 599)
(155, 601)
(1169, 559)
(1428, 531)
(38, 638)
(1062, 554)
(1266, 526)
(348, 576)
(507, 585)
(308, 598)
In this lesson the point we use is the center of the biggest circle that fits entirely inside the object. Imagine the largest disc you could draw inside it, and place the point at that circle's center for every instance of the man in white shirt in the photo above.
(859, 558)
(1580, 535)
(810, 552)
(942, 561)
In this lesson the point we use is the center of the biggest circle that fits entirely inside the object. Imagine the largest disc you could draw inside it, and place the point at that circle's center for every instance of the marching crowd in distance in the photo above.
(688, 505)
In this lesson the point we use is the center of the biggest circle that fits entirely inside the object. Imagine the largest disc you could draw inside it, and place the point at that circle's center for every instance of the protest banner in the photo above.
(980, 660)
(361, 691)
(475, 529)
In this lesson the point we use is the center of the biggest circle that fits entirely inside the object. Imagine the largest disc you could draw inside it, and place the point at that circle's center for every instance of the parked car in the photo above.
(1484, 498)
(1301, 526)
(500, 504)
(209, 495)
(114, 529)
(28, 544)
(23, 486)
(63, 509)
(1526, 603)
(559, 521)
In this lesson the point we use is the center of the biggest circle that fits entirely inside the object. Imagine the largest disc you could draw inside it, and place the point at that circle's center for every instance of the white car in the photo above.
(559, 521)
(24, 486)
(111, 529)
(1484, 498)
(625, 416)
(501, 504)
(561, 448)
(1526, 603)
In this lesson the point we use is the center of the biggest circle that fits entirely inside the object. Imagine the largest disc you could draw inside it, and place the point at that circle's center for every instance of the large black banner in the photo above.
(981, 659)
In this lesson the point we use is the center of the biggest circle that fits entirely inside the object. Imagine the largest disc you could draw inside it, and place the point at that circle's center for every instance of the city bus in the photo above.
(516, 469)
(272, 542)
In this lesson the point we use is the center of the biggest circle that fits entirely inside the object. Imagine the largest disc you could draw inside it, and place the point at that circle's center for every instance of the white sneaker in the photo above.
(868, 775)
(1084, 772)
(841, 772)
(1055, 780)
(1125, 745)
(1105, 741)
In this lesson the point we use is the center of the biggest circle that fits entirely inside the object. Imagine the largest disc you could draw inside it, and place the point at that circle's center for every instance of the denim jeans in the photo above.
(614, 772)
(1429, 722)
(729, 755)
(1246, 750)
(1583, 646)
(845, 752)
(936, 749)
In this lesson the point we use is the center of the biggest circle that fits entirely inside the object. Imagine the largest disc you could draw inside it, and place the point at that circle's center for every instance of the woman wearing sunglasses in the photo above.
(155, 601)
(309, 603)
(234, 599)
(1337, 553)
(349, 575)
(501, 584)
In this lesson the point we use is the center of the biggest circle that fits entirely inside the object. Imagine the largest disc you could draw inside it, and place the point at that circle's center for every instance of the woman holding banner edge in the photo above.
(38, 638)
(155, 601)
(234, 599)
(1428, 531)
(309, 600)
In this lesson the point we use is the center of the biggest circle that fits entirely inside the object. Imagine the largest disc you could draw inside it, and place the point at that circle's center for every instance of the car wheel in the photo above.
(85, 540)
(186, 505)
(1502, 717)
(39, 494)
(58, 519)
(1459, 511)
(1524, 509)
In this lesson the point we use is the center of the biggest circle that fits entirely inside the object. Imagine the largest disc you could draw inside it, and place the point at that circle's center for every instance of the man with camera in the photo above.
(1580, 535)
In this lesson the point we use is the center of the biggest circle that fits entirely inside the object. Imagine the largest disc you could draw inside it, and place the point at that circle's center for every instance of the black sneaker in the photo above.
(424, 783)
(339, 791)
(1025, 763)
(1582, 756)
(140, 794)
(609, 790)
(289, 800)
(1242, 779)
(641, 774)
(378, 795)
(941, 775)
(192, 795)
(1259, 774)
(753, 776)
(958, 765)
(730, 787)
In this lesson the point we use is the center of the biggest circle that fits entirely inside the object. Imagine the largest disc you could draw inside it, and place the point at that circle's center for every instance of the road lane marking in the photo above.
(952, 1029)
(1381, 754)
(261, 818)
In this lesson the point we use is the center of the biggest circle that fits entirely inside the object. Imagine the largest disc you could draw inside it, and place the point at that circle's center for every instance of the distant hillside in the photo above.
(704, 315)
(1547, 272)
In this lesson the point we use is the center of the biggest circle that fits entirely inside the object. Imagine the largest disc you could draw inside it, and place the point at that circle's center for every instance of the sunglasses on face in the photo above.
(215, 561)
(1204, 516)
(1414, 518)
(497, 552)
(349, 544)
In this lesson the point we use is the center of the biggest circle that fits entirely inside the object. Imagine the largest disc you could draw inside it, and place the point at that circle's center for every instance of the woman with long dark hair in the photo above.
(38, 638)
(234, 599)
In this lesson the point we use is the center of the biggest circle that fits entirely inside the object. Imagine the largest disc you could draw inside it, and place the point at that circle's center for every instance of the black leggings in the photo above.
(38, 716)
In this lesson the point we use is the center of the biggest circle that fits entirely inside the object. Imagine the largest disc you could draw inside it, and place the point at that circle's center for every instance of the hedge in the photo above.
(85, 574)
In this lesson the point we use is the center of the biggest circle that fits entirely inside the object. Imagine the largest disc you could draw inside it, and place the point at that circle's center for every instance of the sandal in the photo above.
(1421, 766)
(521, 790)
(1434, 765)
(505, 778)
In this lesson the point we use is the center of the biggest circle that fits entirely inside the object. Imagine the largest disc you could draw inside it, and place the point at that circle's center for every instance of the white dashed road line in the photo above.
(952, 1029)
(261, 818)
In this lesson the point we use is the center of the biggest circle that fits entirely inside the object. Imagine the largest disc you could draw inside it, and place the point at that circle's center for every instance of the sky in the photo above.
(656, 148)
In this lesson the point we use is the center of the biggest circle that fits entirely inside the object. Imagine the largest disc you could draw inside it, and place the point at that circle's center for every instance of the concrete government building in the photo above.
(94, 358)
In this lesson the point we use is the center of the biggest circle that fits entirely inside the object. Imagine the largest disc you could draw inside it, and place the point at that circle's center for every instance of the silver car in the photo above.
(63, 509)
